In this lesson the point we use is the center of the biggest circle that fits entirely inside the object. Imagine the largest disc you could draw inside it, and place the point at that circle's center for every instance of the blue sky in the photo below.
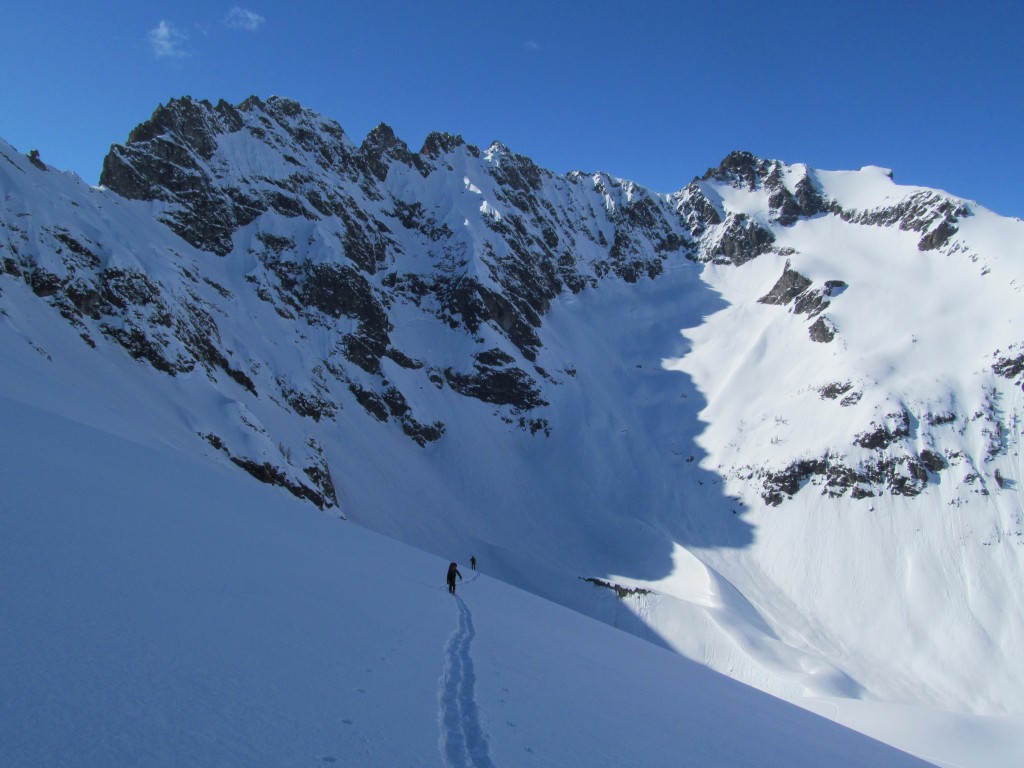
(651, 91)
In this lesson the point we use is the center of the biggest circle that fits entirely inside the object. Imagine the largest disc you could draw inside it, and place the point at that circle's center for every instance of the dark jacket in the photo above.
(453, 571)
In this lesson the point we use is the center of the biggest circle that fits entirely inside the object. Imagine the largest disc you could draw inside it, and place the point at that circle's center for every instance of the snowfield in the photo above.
(159, 611)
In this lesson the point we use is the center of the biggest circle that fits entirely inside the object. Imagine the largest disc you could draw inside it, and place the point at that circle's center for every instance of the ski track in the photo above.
(463, 743)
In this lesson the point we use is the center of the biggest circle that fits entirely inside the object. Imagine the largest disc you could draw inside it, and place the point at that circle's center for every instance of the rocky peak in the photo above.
(516, 171)
(193, 123)
(809, 199)
(789, 206)
(440, 143)
(209, 192)
(695, 209)
(381, 140)
(381, 147)
(741, 169)
(283, 106)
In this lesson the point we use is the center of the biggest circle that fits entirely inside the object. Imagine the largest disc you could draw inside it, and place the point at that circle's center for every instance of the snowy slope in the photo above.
(917, 336)
(781, 405)
(160, 610)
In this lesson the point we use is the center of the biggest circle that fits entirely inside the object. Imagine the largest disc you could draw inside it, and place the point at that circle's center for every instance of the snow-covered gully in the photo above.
(463, 743)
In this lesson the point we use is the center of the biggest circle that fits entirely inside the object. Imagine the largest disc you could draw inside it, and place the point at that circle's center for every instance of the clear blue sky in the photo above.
(651, 91)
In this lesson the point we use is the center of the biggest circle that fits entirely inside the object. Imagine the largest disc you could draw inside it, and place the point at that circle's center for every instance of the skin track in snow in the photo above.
(463, 743)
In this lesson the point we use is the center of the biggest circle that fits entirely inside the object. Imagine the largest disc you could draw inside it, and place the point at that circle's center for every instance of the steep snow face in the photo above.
(776, 412)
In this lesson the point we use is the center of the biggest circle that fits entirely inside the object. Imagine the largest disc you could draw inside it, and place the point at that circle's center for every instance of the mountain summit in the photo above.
(776, 411)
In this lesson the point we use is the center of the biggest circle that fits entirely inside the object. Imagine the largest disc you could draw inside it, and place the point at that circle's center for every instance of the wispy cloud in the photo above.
(243, 18)
(531, 45)
(167, 41)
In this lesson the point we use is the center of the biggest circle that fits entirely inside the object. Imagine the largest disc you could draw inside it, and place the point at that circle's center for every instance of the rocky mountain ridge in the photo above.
(335, 236)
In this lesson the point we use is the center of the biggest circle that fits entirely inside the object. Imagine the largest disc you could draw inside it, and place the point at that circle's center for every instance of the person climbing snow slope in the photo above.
(453, 571)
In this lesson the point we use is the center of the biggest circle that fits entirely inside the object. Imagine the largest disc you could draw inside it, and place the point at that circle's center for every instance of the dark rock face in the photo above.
(620, 591)
(440, 143)
(381, 148)
(891, 464)
(696, 211)
(742, 169)
(793, 288)
(33, 157)
(743, 239)
(821, 331)
(787, 482)
(926, 212)
(904, 475)
(809, 199)
(937, 237)
(171, 158)
(319, 489)
(1011, 365)
(494, 380)
(790, 285)
(896, 427)
(835, 389)
(932, 461)
(745, 171)
(789, 207)
(781, 201)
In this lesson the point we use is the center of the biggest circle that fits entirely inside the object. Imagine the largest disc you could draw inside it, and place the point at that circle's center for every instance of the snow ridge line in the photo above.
(463, 743)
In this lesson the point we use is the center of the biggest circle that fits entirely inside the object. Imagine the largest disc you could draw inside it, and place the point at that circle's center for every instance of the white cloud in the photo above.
(531, 45)
(243, 18)
(167, 41)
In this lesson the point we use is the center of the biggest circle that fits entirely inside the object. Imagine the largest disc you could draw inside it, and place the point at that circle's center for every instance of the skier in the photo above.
(453, 571)
(472, 562)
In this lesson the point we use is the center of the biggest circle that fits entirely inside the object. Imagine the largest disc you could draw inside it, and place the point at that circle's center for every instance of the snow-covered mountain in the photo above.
(776, 413)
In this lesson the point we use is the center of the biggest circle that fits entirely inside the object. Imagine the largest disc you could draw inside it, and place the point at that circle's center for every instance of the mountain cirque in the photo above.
(357, 241)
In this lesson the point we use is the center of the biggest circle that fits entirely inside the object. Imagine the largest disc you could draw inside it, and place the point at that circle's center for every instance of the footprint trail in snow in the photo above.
(463, 743)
